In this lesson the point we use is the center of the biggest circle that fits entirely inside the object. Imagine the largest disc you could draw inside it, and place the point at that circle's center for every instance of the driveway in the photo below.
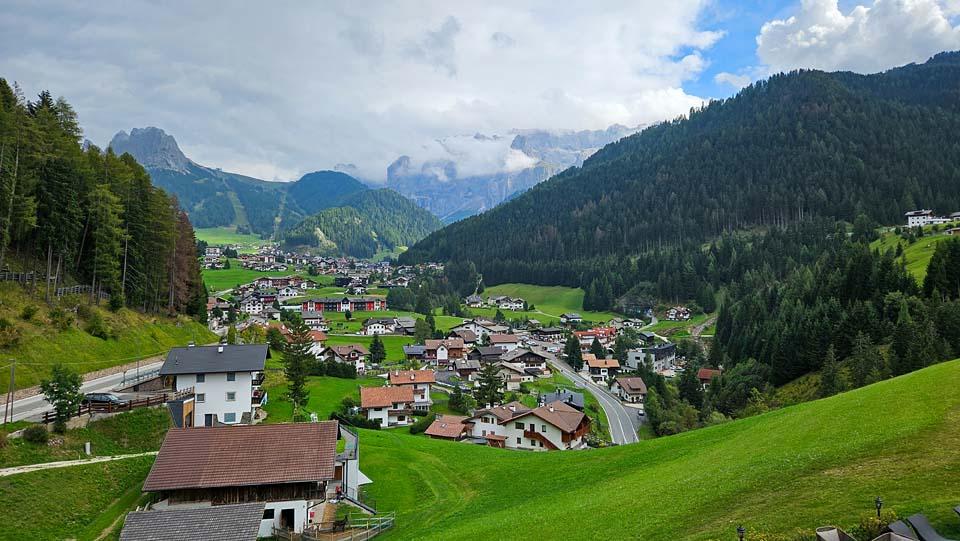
(623, 421)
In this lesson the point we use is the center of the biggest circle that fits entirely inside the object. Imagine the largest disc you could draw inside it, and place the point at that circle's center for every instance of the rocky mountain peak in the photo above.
(152, 147)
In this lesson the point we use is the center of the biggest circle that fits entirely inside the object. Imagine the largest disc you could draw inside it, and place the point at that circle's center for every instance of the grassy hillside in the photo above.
(221, 279)
(549, 302)
(216, 236)
(41, 344)
(917, 254)
(789, 470)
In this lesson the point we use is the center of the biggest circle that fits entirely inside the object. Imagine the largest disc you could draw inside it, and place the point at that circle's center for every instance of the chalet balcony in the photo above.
(258, 379)
(259, 397)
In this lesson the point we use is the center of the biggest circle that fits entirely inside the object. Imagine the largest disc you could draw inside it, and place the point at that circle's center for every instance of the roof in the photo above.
(310, 314)
(549, 330)
(466, 364)
(446, 426)
(520, 352)
(245, 455)
(504, 412)
(560, 415)
(384, 397)
(707, 374)
(503, 338)
(489, 351)
(346, 350)
(216, 523)
(601, 363)
(379, 320)
(213, 359)
(632, 384)
(466, 335)
(449, 343)
(406, 377)
(570, 315)
(563, 395)
(414, 350)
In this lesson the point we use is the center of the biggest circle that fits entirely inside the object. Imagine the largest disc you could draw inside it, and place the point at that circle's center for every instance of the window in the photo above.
(268, 514)
(518, 441)
(230, 417)
(533, 443)
(201, 397)
(541, 444)
(543, 428)
(231, 396)
(231, 376)
(518, 426)
(201, 378)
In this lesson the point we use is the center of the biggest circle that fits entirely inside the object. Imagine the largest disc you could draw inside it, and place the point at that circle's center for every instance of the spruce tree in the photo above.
(488, 385)
(572, 353)
(378, 352)
(597, 349)
(297, 360)
(830, 375)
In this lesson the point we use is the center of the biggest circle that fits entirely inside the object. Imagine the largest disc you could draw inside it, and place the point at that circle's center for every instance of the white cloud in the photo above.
(868, 38)
(732, 79)
(280, 90)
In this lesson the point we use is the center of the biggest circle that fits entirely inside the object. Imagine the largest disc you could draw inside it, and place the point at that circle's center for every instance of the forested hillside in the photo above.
(80, 215)
(363, 224)
(798, 145)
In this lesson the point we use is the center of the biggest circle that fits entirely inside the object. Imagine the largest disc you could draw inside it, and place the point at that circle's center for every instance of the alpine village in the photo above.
(740, 322)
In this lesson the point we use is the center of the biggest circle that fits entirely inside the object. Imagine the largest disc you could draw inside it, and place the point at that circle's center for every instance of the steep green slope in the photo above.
(322, 189)
(364, 223)
(793, 469)
(797, 145)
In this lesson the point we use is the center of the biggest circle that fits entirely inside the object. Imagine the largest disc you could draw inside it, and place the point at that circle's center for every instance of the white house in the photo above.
(515, 426)
(507, 303)
(630, 389)
(920, 218)
(506, 342)
(251, 304)
(420, 381)
(571, 318)
(225, 379)
(379, 325)
(389, 406)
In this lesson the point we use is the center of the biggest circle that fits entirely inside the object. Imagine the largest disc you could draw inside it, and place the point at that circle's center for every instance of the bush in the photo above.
(36, 434)
(84, 311)
(9, 333)
(61, 319)
(28, 312)
(97, 326)
(422, 424)
(870, 526)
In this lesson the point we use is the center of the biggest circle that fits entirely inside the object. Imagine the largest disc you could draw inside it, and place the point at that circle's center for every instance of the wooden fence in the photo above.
(50, 416)
(27, 277)
(73, 290)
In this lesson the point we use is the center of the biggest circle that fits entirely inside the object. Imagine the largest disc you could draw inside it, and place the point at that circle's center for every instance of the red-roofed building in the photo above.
(606, 336)
(706, 375)
(389, 406)
(419, 381)
(448, 427)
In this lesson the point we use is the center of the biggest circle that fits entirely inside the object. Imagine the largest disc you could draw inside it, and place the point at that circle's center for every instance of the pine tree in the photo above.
(572, 353)
(488, 385)
(689, 385)
(597, 349)
(378, 352)
(830, 375)
(297, 360)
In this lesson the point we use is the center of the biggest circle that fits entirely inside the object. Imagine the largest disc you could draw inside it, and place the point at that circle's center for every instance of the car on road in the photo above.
(99, 399)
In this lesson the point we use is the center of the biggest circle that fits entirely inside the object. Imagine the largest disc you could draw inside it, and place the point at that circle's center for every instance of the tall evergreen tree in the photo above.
(572, 353)
(297, 360)
(488, 385)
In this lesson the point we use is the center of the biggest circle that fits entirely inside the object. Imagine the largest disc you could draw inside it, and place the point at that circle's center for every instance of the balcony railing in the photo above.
(259, 397)
(258, 381)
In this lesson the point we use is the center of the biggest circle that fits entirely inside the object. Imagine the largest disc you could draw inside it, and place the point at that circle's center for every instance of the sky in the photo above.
(275, 90)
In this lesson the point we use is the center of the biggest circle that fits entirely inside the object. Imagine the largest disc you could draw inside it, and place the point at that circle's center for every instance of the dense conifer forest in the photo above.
(79, 215)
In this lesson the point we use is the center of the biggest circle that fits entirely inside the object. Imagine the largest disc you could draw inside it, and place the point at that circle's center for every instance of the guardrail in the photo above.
(50, 416)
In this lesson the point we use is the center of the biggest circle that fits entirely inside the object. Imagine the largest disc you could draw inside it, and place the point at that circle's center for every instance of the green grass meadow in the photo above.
(788, 471)
(916, 255)
(223, 279)
(219, 236)
(549, 303)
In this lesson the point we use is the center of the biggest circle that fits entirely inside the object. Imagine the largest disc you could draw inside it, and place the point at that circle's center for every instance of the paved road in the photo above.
(32, 408)
(622, 420)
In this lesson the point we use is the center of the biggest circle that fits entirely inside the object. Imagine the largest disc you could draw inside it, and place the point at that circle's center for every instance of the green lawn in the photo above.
(222, 279)
(78, 502)
(134, 432)
(134, 336)
(559, 381)
(339, 324)
(393, 344)
(916, 255)
(326, 393)
(549, 303)
(789, 470)
(217, 236)
(679, 329)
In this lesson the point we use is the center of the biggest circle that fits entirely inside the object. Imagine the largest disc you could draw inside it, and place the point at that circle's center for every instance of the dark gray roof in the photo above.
(208, 359)
(568, 397)
(216, 523)
(414, 350)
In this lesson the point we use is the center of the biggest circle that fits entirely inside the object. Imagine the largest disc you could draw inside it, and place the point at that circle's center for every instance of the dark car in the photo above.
(101, 399)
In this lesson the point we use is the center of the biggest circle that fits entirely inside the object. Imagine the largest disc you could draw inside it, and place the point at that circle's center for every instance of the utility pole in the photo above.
(8, 411)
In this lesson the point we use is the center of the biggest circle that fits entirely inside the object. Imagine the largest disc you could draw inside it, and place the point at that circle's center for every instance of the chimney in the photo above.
(220, 348)
(512, 408)
(412, 377)
(551, 408)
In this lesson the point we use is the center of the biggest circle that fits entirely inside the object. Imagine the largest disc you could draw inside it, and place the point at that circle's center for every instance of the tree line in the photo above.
(73, 210)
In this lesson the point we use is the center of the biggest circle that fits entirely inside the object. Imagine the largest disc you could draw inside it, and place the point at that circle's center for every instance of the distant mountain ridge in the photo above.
(451, 188)
(328, 211)
(796, 146)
